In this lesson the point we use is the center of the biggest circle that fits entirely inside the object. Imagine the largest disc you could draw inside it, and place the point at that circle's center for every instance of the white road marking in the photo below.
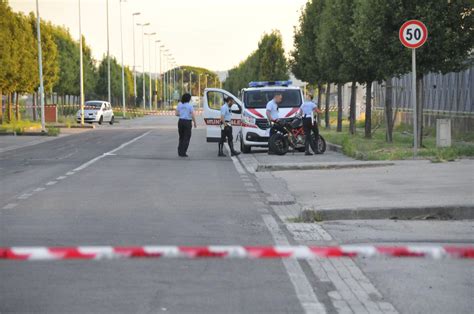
(51, 183)
(9, 206)
(93, 160)
(39, 189)
(24, 196)
(308, 299)
(61, 178)
(70, 173)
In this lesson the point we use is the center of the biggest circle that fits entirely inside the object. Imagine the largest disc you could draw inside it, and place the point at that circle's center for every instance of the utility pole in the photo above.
(149, 68)
(123, 70)
(143, 60)
(40, 63)
(108, 55)
(81, 71)
(191, 83)
(134, 67)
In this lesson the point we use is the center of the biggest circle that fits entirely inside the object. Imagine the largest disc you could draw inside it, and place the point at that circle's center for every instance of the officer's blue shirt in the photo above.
(308, 107)
(273, 108)
(185, 111)
(225, 111)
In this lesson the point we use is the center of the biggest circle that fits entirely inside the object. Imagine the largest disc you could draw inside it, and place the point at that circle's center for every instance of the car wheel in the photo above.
(101, 119)
(244, 148)
(111, 120)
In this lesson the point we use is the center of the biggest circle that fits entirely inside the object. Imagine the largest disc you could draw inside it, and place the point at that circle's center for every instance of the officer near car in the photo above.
(273, 114)
(226, 128)
(307, 110)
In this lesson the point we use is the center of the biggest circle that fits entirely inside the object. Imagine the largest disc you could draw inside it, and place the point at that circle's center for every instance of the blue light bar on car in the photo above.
(270, 83)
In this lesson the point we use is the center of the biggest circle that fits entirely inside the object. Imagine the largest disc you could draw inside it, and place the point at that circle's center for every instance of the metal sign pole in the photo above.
(413, 86)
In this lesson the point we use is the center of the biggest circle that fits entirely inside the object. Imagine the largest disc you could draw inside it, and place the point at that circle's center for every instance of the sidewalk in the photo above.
(11, 142)
(342, 188)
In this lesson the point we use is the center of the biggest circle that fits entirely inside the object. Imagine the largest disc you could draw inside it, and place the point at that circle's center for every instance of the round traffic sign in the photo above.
(413, 34)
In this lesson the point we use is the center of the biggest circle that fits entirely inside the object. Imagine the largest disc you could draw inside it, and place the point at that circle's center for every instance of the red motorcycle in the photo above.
(289, 132)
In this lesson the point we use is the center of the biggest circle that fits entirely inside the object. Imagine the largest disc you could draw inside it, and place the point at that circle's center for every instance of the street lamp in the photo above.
(149, 67)
(143, 60)
(199, 88)
(157, 42)
(81, 70)
(40, 64)
(191, 82)
(182, 81)
(123, 70)
(134, 66)
(108, 54)
(161, 75)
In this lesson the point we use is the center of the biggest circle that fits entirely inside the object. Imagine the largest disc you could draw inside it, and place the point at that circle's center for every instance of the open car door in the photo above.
(213, 101)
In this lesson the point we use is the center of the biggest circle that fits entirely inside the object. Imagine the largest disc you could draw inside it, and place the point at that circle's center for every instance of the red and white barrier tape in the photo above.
(242, 252)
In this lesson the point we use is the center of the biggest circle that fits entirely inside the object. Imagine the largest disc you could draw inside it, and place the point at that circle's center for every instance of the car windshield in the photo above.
(260, 98)
(94, 105)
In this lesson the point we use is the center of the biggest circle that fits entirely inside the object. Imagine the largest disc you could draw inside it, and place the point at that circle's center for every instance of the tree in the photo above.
(450, 40)
(8, 66)
(273, 64)
(338, 53)
(268, 62)
(304, 64)
(49, 51)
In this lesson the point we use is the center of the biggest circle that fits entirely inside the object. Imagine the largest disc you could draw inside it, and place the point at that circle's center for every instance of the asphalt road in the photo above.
(141, 194)
(124, 185)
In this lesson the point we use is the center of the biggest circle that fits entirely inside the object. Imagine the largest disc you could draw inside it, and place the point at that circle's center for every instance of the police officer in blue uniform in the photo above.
(185, 112)
(226, 128)
(307, 109)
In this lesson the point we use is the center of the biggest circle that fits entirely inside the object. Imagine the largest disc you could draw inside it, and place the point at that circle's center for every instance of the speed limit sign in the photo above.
(413, 34)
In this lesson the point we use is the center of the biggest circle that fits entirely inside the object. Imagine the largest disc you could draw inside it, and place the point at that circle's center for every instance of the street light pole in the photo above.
(182, 81)
(123, 70)
(40, 63)
(191, 83)
(134, 67)
(81, 71)
(161, 76)
(149, 68)
(143, 60)
(108, 54)
(199, 88)
(156, 75)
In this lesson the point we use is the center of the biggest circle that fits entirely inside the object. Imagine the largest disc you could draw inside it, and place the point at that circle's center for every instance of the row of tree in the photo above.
(60, 54)
(356, 41)
(267, 63)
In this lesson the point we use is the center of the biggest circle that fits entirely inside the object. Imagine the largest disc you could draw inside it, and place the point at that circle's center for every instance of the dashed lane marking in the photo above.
(39, 189)
(61, 178)
(10, 206)
(51, 183)
(93, 160)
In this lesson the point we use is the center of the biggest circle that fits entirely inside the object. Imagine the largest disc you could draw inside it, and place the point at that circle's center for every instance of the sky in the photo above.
(214, 34)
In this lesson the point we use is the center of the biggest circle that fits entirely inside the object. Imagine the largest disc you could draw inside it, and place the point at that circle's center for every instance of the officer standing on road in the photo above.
(185, 112)
(226, 128)
(307, 110)
(273, 114)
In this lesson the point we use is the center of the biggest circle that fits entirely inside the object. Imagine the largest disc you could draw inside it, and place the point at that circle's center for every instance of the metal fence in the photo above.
(450, 94)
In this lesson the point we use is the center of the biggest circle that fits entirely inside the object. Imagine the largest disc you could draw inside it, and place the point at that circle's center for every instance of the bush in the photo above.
(53, 131)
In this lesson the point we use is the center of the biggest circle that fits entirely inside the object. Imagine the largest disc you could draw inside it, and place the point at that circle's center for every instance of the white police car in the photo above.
(96, 111)
(251, 123)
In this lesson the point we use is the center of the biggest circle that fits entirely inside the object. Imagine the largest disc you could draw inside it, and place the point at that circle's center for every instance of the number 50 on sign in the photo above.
(413, 34)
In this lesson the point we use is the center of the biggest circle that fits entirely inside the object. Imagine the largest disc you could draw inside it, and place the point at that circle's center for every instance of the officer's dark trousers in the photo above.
(226, 133)
(184, 131)
(308, 128)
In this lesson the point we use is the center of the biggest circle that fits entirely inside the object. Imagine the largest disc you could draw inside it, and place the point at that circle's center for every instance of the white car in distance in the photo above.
(96, 111)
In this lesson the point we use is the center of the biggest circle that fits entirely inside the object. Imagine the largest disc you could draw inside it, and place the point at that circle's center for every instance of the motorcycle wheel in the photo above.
(278, 144)
(320, 144)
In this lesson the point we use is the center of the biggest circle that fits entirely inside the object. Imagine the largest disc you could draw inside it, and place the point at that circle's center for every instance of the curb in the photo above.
(408, 213)
(334, 147)
(24, 134)
(319, 166)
